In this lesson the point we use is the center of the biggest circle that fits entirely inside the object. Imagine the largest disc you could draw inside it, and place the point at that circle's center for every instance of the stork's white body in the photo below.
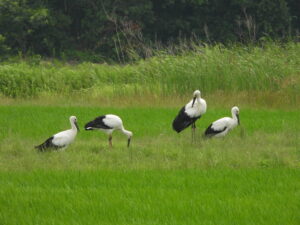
(197, 110)
(113, 121)
(108, 124)
(191, 112)
(61, 139)
(226, 124)
(221, 127)
(64, 138)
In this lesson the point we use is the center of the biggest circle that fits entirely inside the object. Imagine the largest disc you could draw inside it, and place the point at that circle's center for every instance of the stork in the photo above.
(108, 123)
(190, 113)
(222, 126)
(61, 139)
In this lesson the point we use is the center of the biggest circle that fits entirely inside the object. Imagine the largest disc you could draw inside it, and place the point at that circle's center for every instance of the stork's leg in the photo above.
(193, 132)
(110, 140)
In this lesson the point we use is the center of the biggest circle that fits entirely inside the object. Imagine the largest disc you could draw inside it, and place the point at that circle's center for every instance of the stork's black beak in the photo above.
(238, 118)
(194, 99)
(76, 125)
(128, 142)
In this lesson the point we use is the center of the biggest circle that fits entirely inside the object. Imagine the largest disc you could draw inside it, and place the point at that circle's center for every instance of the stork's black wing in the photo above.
(209, 132)
(48, 144)
(97, 123)
(182, 120)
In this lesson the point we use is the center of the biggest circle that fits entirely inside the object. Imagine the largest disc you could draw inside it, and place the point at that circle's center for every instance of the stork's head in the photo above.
(197, 94)
(235, 111)
(73, 120)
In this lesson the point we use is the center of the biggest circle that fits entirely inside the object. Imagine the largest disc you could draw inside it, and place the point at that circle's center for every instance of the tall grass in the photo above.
(272, 68)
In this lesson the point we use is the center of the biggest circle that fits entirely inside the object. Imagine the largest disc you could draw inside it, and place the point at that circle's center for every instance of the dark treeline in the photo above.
(116, 29)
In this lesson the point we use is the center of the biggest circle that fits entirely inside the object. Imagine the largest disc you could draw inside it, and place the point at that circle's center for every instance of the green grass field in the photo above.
(266, 138)
(249, 177)
(211, 196)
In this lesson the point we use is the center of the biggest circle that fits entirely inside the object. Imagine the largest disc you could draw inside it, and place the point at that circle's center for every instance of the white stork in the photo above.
(61, 139)
(190, 113)
(222, 126)
(108, 123)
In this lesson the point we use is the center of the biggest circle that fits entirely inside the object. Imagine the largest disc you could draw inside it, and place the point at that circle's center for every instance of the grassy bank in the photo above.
(250, 70)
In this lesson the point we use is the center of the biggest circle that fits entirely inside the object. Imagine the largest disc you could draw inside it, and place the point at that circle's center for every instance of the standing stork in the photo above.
(222, 126)
(61, 139)
(190, 113)
(108, 123)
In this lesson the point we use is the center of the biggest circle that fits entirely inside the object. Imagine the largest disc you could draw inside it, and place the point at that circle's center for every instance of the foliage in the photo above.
(112, 29)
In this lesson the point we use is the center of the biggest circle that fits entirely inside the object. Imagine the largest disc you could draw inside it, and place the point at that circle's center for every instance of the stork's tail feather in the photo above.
(179, 124)
(205, 136)
(208, 132)
(177, 128)
(40, 147)
(47, 144)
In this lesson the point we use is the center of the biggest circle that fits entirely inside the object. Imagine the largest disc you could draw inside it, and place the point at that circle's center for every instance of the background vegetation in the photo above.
(267, 75)
(104, 30)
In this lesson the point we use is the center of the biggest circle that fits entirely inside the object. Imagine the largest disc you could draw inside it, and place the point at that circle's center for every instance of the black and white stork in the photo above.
(189, 113)
(108, 123)
(61, 139)
(222, 126)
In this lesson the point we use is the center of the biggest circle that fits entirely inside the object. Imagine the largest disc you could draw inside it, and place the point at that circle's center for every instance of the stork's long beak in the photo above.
(238, 118)
(194, 99)
(76, 126)
(128, 142)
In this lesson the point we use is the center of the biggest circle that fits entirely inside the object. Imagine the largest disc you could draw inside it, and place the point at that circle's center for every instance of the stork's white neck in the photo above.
(126, 132)
(234, 116)
(73, 126)
(197, 101)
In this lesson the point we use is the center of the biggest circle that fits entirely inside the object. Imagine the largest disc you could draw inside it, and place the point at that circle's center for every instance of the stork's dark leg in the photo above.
(193, 132)
(110, 140)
